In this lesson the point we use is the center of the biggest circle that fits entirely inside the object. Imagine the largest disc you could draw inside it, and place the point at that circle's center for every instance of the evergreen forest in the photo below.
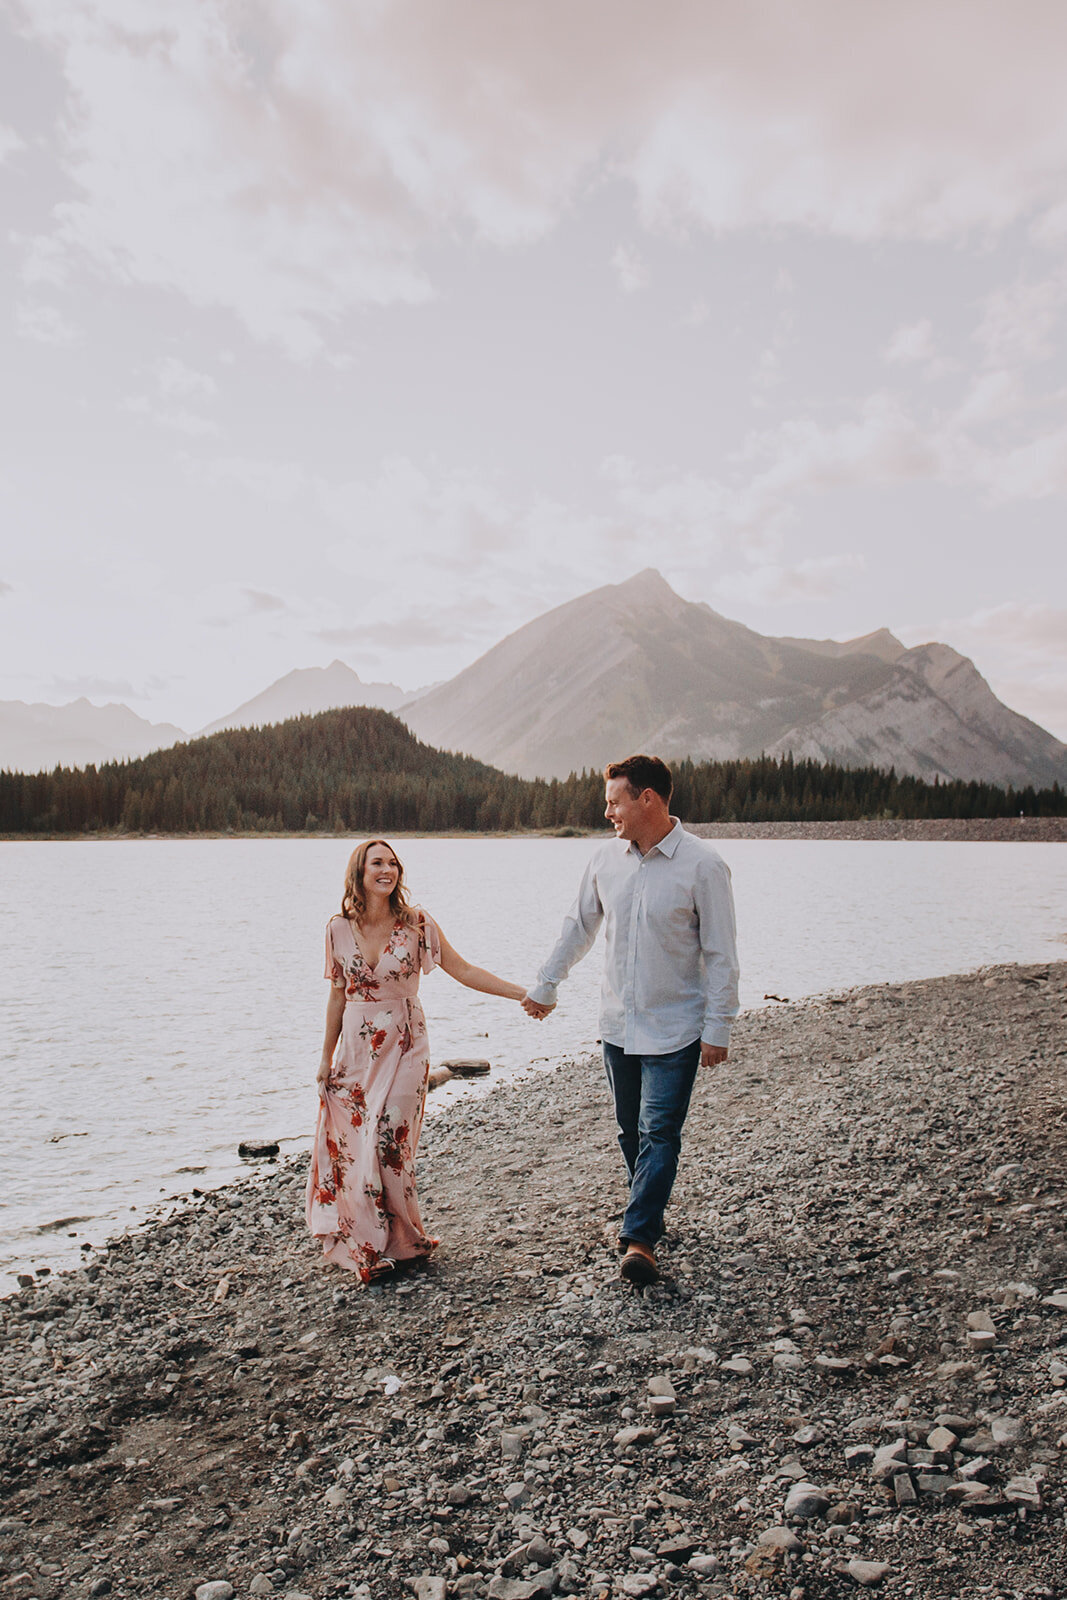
(360, 770)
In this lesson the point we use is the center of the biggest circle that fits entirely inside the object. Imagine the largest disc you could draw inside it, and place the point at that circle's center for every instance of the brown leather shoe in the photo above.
(639, 1264)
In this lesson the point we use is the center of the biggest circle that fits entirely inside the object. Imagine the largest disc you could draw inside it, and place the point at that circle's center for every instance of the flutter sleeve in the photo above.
(429, 943)
(334, 971)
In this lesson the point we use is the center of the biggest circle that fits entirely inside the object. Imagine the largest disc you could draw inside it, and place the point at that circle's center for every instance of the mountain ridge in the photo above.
(634, 666)
(629, 666)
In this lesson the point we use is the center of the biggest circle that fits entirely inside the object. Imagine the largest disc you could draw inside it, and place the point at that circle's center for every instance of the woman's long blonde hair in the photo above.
(352, 902)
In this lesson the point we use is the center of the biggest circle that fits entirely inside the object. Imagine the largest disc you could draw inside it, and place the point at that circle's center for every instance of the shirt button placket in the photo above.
(631, 963)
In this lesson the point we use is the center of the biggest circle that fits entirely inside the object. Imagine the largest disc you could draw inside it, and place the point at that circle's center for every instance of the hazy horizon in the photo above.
(374, 332)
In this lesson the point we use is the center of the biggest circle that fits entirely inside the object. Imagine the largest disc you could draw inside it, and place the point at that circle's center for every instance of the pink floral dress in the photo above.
(361, 1199)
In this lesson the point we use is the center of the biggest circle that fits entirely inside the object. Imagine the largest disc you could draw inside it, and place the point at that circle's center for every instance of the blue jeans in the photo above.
(651, 1095)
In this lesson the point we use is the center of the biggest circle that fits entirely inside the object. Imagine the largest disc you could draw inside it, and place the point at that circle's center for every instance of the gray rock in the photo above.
(904, 1490)
(934, 1484)
(806, 1501)
(261, 1585)
(1008, 1430)
(888, 1460)
(1024, 1492)
(540, 1552)
(779, 1538)
(705, 1565)
(517, 1495)
(981, 1322)
(218, 1589)
(662, 1386)
(977, 1469)
(430, 1587)
(539, 1588)
(868, 1573)
(629, 1438)
(635, 1585)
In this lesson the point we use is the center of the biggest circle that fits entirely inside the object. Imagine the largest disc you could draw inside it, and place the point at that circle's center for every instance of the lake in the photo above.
(163, 999)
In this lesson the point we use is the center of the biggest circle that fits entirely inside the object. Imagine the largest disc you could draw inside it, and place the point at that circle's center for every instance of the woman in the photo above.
(361, 1199)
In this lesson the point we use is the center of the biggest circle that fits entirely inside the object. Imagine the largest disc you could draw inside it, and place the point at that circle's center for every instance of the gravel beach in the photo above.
(854, 1374)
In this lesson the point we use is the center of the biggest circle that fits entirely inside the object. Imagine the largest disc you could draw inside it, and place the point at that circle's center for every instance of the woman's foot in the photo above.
(384, 1267)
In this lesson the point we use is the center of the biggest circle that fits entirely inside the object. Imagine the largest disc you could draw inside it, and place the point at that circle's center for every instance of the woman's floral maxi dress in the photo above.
(361, 1199)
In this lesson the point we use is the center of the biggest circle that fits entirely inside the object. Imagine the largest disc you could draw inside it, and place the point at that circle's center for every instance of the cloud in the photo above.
(176, 380)
(1031, 471)
(178, 419)
(911, 342)
(260, 601)
(9, 142)
(45, 324)
(1019, 646)
(1020, 626)
(630, 270)
(432, 633)
(993, 396)
(304, 161)
(1019, 319)
(6, 588)
(819, 578)
(100, 687)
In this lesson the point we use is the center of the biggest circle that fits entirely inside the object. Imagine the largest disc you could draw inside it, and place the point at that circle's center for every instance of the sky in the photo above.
(373, 329)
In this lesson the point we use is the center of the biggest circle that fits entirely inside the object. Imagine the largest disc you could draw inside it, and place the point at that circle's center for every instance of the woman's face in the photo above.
(381, 871)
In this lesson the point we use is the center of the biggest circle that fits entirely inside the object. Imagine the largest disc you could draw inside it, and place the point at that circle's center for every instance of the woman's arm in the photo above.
(476, 977)
(335, 1010)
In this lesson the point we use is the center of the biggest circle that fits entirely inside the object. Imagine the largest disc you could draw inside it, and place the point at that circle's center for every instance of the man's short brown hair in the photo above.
(643, 772)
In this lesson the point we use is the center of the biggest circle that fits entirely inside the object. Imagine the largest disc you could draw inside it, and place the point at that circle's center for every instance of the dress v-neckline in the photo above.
(359, 948)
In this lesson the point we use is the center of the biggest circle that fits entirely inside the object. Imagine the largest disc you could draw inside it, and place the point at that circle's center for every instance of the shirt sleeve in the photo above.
(718, 941)
(579, 932)
(429, 943)
(334, 971)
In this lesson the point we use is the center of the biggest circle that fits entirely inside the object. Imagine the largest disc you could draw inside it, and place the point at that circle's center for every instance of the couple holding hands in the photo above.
(668, 999)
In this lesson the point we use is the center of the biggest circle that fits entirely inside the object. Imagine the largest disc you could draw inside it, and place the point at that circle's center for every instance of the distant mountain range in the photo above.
(633, 666)
(310, 689)
(35, 738)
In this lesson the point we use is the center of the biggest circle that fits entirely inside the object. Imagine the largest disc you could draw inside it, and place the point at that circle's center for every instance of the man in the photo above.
(670, 982)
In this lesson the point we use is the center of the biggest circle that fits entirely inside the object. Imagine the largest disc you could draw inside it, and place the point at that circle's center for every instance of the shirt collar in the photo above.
(667, 845)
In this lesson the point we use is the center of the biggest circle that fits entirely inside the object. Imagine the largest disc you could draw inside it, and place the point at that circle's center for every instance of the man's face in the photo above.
(623, 809)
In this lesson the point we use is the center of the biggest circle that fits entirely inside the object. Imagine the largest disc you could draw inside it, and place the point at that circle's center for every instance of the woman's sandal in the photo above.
(382, 1268)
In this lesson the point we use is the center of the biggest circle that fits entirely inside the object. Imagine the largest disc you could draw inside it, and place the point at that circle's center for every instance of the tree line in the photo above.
(360, 770)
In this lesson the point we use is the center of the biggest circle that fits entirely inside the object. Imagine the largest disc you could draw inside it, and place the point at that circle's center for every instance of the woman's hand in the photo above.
(322, 1077)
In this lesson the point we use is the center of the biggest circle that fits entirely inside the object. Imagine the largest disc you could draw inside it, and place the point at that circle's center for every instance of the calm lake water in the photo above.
(162, 999)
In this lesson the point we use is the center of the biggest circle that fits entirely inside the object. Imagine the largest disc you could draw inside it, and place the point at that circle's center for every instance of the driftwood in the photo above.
(464, 1068)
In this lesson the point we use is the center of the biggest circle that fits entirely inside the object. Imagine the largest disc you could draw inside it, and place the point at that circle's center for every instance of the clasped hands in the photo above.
(534, 1009)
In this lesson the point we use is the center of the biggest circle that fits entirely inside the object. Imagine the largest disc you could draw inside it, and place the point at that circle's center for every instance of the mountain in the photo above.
(633, 666)
(37, 737)
(935, 716)
(307, 690)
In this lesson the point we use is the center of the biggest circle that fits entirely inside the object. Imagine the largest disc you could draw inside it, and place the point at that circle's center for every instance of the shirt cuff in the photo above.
(543, 993)
(716, 1033)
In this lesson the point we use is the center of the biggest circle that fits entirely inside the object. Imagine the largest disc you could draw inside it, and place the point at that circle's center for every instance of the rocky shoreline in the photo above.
(853, 1376)
(941, 830)
(933, 830)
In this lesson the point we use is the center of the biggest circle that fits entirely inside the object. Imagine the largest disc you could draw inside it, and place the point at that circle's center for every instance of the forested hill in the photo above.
(360, 770)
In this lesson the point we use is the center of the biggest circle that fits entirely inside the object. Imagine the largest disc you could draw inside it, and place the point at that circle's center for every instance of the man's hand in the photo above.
(533, 1009)
(712, 1055)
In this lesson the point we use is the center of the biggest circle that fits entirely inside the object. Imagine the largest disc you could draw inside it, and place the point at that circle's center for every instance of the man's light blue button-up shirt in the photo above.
(670, 971)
